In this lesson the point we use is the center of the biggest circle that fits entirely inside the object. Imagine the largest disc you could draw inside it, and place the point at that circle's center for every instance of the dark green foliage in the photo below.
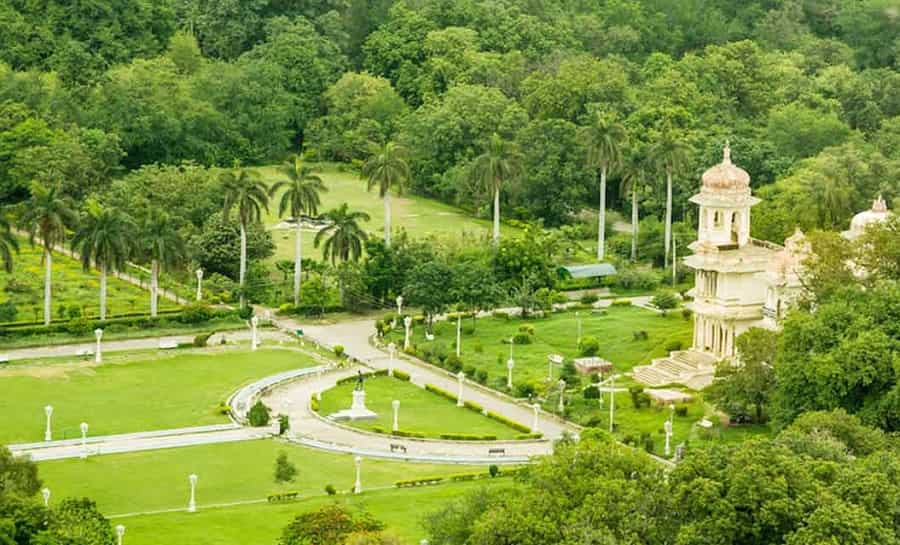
(328, 525)
(201, 340)
(285, 471)
(195, 313)
(493, 470)
(588, 347)
(665, 300)
(8, 311)
(591, 393)
(258, 415)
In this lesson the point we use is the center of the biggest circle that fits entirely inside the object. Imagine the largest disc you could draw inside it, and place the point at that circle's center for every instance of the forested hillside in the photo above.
(807, 92)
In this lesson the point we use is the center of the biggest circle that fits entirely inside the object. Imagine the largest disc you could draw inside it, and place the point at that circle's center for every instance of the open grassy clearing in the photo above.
(420, 411)
(400, 509)
(164, 390)
(74, 290)
(227, 472)
(419, 216)
(487, 347)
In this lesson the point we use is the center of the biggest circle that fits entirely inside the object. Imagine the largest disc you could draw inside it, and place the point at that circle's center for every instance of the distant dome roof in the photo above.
(726, 175)
(878, 213)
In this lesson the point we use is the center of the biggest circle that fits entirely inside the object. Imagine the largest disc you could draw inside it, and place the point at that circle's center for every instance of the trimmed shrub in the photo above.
(511, 423)
(453, 363)
(223, 408)
(620, 303)
(591, 393)
(201, 340)
(467, 437)
(588, 347)
(493, 470)
(470, 371)
(285, 471)
(423, 481)
(681, 410)
(647, 442)
(673, 346)
(440, 391)
(245, 313)
(589, 298)
(638, 397)
(524, 436)
(665, 300)
(284, 424)
(338, 350)
(401, 375)
(471, 405)
(528, 329)
(481, 376)
(330, 490)
(640, 335)
(195, 313)
(525, 389)
(258, 415)
(522, 338)
(686, 313)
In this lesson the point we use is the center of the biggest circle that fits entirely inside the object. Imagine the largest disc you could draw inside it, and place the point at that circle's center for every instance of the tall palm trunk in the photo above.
(243, 270)
(298, 262)
(387, 219)
(154, 287)
(634, 223)
(668, 215)
(102, 292)
(601, 227)
(48, 275)
(497, 215)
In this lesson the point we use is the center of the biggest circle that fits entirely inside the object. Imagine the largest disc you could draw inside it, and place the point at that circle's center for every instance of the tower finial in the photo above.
(726, 153)
(879, 205)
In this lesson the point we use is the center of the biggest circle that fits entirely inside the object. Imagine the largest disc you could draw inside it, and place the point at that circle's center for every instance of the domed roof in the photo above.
(878, 213)
(726, 175)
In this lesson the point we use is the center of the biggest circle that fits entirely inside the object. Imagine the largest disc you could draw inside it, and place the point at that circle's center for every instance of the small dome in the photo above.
(726, 175)
(878, 213)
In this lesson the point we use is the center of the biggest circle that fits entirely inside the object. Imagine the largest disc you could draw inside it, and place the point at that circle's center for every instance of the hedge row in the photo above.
(426, 481)
(83, 326)
(530, 436)
(511, 423)
(112, 317)
(467, 437)
(399, 433)
(367, 374)
(440, 391)
(401, 375)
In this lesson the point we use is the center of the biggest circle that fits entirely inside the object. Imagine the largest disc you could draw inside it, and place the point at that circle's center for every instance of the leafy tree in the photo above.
(387, 169)
(258, 415)
(669, 153)
(245, 191)
(343, 237)
(217, 247)
(749, 383)
(8, 243)
(105, 239)
(300, 197)
(78, 521)
(18, 476)
(162, 244)
(285, 471)
(578, 83)
(330, 525)
(605, 139)
(799, 131)
(474, 286)
(500, 163)
(427, 287)
(47, 215)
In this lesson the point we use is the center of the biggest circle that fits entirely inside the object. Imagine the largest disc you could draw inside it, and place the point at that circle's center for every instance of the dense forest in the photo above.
(806, 91)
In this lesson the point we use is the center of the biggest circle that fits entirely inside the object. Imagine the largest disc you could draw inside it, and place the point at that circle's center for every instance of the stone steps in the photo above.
(652, 376)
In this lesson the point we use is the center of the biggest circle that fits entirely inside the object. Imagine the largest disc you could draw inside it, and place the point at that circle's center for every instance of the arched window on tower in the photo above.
(735, 226)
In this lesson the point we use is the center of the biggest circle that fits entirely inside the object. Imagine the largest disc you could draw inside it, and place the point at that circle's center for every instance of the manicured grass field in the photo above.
(165, 390)
(401, 510)
(420, 411)
(419, 216)
(72, 288)
(228, 472)
(487, 347)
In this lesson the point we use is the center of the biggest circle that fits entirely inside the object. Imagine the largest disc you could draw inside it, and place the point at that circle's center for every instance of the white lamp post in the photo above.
(668, 428)
(510, 363)
(407, 323)
(84, 430)
(399, 301)
(396, 405)
(357, 487)
(192, 504)
(461, 379)
(391, 349)
(199, 273)
(98, 357)
(48, 410)
(254, 340)
(120, 532)
(535, 423)
(458, 333)
(562, 393)
(46, 494)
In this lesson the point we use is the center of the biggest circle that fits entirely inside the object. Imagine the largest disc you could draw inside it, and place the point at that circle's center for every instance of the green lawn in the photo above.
(400, 509)
(72, 288)
(228, 472)
(419, 216)
(159, 391)
(488, 348)
(420, 411)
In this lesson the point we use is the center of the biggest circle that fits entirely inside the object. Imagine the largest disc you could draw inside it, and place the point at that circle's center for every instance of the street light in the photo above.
(120, 532)
(562, 392)
(45, 492)
(98, 333)
(48, 410)
(461, 378)
(510, 363)
(668, 428)
(199, 273)
(254, 340)
(357, 487)
(391, 349)
(407, 323)
(399, 301)
(396, 405)
(535, 424)
(84, 430)
(192, 504)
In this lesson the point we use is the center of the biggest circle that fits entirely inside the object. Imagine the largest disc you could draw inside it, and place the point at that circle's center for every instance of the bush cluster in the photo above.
(588, 347)
(467, 437)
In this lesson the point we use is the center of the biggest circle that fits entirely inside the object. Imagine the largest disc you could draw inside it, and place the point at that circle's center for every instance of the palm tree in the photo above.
(500, 162)
(633, 179)
(105, 239)
(386, 168)
(47, 215)
(345, 236)
(604, 138)
(301, 196)
(245, 191)
(163, 245)
(669, 154)
(8, 243)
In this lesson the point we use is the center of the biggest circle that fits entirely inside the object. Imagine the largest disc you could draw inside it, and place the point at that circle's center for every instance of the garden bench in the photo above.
(497, 451)
(84, 352)
(396, 447)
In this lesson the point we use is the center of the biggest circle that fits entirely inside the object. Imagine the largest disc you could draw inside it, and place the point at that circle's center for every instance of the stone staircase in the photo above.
(691, 368)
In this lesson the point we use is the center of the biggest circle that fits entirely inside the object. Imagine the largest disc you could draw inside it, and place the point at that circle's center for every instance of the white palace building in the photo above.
(740, 282)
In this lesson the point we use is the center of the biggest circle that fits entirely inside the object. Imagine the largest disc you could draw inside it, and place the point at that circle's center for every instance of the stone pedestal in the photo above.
(357, 410)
